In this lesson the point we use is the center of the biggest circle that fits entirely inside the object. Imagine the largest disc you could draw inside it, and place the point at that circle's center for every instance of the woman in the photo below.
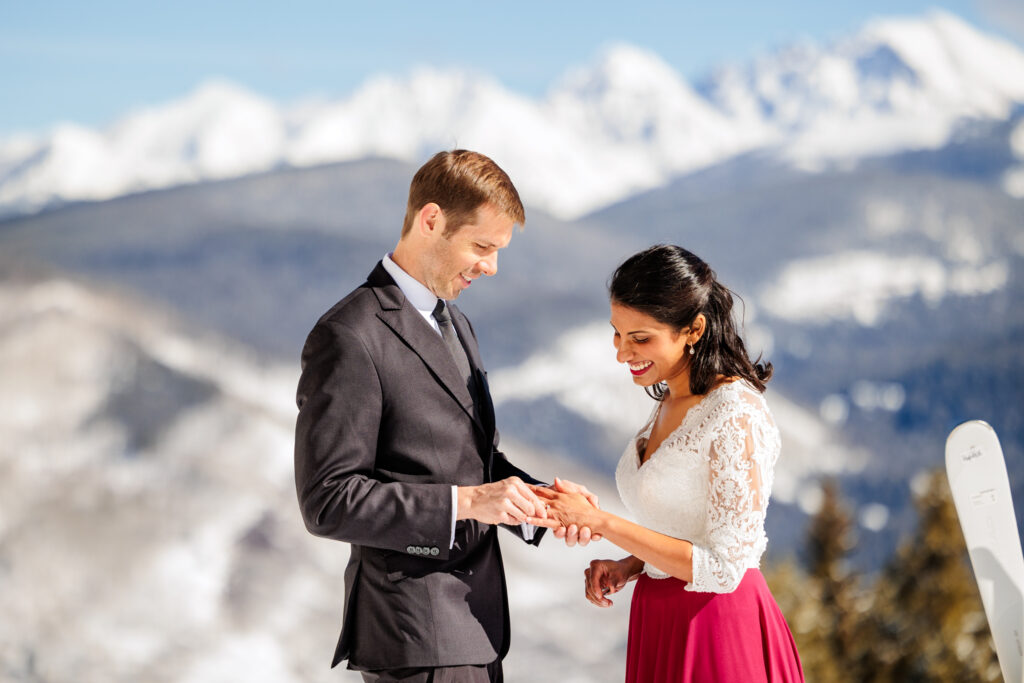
(697, 479)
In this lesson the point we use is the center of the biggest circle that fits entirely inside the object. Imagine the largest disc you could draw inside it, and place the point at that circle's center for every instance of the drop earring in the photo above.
(691, 350)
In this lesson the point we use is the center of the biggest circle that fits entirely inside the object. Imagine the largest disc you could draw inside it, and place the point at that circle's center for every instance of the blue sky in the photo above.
(90, 62)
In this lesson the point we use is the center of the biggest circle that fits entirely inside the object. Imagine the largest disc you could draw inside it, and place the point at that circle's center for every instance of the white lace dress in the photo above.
(708, 482)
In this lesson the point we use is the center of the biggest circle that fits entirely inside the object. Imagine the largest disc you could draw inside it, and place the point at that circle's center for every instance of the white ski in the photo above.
(981, 493)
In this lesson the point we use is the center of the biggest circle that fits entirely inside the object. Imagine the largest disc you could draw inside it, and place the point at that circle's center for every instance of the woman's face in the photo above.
(653, 351)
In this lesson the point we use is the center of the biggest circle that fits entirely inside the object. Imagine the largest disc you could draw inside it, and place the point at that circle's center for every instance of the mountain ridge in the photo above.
(625, 124)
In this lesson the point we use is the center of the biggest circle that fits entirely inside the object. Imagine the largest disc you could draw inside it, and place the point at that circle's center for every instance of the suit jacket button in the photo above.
(434, 551)
(411, 550)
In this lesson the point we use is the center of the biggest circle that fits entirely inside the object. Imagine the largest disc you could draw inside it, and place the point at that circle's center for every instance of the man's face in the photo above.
(456, 260)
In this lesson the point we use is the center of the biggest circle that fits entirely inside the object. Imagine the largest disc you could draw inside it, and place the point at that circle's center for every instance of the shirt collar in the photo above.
(416, 292)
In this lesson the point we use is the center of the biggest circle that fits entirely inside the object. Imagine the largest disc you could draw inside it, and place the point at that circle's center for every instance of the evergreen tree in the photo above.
(831, 537)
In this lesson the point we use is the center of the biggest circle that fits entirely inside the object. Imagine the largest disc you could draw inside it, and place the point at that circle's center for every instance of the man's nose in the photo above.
(489, 265)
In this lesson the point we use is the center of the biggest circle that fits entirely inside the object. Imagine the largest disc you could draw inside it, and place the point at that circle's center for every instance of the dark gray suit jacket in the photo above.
(385, 427)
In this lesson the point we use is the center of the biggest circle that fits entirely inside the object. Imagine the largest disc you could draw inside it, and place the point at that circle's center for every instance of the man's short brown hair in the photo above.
(460, 182)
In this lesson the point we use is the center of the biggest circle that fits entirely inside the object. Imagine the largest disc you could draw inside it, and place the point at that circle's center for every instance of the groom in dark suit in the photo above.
(396, 450)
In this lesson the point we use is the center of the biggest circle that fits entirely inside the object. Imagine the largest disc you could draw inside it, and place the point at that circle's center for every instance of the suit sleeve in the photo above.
(340, 408)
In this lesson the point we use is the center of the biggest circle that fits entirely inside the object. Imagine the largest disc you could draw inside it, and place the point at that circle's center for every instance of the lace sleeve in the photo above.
(744, 444)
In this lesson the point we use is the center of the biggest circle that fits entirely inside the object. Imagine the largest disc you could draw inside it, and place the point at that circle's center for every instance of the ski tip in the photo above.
(969, 426)
(964, 442)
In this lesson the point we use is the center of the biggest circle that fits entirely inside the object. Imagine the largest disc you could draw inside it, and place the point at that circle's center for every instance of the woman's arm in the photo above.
(741, 456)
(671, 555)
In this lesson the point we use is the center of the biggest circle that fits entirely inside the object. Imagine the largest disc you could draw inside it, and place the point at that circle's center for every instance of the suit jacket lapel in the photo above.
(398, 314)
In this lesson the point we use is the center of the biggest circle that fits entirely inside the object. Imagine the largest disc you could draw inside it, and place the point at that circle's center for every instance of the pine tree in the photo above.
(831, 537)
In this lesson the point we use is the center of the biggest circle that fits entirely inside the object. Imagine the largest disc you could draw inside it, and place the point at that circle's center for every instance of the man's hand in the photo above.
(573, 534)
(509, 501)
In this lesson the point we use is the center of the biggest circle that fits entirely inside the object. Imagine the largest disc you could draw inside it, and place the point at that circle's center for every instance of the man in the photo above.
(396, 447)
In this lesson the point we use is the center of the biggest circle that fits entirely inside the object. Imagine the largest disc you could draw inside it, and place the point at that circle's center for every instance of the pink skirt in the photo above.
(676, 636)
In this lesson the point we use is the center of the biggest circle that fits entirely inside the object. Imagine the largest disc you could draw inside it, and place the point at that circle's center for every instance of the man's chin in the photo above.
(456, 289)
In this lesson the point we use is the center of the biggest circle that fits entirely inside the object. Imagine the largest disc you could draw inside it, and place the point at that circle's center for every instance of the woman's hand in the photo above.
(605, 577)
(573, 534)
(566, 509)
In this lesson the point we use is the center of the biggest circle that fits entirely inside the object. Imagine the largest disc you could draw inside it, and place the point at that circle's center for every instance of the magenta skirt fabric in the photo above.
(676, 636)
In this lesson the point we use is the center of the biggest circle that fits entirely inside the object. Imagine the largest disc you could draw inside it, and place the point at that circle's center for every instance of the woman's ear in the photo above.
(697, 329)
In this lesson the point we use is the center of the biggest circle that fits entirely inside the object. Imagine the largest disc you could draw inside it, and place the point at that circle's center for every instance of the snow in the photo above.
(1013, 182)
(897, 84)
(874, 516)
(889, 396)
(834, 409)
(1013, 179)
(627, 123)
(958, 62)
(861, 284)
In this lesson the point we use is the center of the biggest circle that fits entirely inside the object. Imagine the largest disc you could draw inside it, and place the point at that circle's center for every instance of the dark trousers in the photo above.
(490, 673)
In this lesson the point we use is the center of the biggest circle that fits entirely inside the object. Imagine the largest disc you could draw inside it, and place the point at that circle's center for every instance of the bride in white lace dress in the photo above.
(696, 480)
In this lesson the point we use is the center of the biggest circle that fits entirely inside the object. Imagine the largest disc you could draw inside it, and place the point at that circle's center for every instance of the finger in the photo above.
(514, 511)
(560, 532)
(572, 535)
(610, 585)
(590, 590)
(598, 573)
(585, 536)
(585, 492)
(602, 595)
(566, 486)
(543, 492)
(596, 537)
(527, 503)
(597, 597)
(528, 494)
(548, 523)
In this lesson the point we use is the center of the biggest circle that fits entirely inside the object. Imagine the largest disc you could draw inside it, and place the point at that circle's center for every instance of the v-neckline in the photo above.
(639, 458)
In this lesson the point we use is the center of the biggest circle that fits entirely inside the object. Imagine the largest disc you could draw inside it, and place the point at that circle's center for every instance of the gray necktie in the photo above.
(444, 321)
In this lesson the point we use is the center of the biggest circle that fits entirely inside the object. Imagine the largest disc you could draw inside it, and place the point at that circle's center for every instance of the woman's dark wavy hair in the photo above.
(673, 285)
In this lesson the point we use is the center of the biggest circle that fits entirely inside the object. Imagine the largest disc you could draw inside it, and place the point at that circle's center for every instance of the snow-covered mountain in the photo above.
(897, 84)
(625, 124)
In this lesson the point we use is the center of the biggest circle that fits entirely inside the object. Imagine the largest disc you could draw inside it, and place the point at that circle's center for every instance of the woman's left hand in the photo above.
(565, 509)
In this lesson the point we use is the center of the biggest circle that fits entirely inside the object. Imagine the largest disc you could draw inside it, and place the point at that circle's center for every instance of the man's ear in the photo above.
(430, 220)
